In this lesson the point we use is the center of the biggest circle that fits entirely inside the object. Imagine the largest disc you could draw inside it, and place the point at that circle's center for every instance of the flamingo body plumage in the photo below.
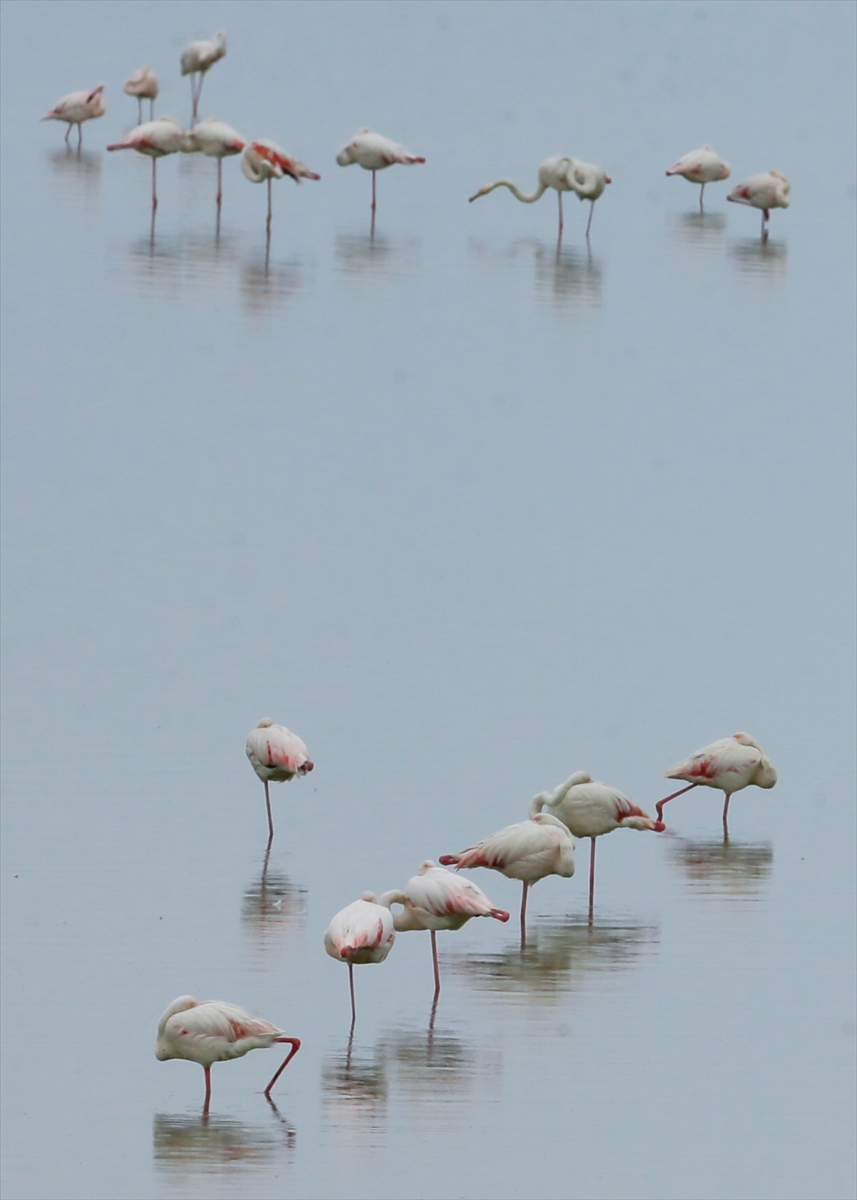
(276, 754)
(362, 932)
(770, 189)
(77, 107)
(563, 173)
(701, 166)
(145, 86)
(729, 765)
(374, 152)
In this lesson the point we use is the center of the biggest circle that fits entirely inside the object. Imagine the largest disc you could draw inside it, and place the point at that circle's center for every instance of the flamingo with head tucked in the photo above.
(701, 166)
(770, 189)
(156, 139)
(362, 932)
(263, 161)
(564, 174)
(276, 754)
(374, 152)
(729, 765)
(77, 107)
(217, 140)
(199, 57)
(591, 809)
(211, 1031)
(144, 85)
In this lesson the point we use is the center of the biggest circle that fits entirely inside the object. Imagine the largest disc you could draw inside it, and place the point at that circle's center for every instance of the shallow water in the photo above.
(469, 510)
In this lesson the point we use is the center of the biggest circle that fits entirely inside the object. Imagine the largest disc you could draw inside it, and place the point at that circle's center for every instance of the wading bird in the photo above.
(374, 152)
(155, 138)
(217, 140)
(564, 174)
(729, 765)
(436, 899)
(591, 809)
(211, 1031)
(196, 59)
(362, 932)
(144, 85)
(76, 108)
(529, 851)
(701, 166)
(769, 190)
(265, 160)
(278, 754)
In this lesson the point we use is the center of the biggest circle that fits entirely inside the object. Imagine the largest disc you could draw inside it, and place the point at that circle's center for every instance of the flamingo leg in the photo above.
(765, 215)
(561, 222)
(589, 222)
(434, 960)
(728, 796)
(139, 110)
(67, 132)
(295, 1044)
(219, 181)
(374, 203)
(351, 986)
(207, 1089)
(701, 190)
(660, 804)
(268, 222)
(79, 134)
(591, 874)
(270, 818)
(154, 183)
(524, 914)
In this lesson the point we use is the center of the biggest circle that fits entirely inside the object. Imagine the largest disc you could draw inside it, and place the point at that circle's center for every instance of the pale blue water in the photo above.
(468, 512)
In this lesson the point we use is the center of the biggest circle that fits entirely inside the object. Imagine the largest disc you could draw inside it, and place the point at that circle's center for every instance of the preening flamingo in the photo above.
(265, 160)
(374, 152)
(196, 59)
(564, 174)
(277, 754)
(144, 85)
(768, 190)
(701, 166)
(363, 932)
(155, 138)
(729, 765)
(591, 809)
(529, 851)
(211, 1031)
(436, 899)
(77, 107)
(217, 140)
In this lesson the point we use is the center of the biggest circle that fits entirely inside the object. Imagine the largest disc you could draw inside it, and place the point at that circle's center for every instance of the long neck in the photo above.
(507, 183)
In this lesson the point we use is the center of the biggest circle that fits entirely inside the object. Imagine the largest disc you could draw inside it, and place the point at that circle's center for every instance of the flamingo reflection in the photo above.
(210, 1144)
(723, 867)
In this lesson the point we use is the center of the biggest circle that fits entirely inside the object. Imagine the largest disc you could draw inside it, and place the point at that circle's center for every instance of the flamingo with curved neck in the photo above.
(564, 174)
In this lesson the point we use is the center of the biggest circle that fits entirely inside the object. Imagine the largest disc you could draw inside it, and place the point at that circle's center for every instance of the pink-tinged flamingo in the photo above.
(529, 851)
(196, 59)
(265, 160)
(144, 85)
(211, 1031)
(591, 809)
(701, 166)
(363, 932)
(564, 174)
(155, 138)
(277, 754)
(374, 152)
(768, 190)
(436, 899)
(729, 765)
(217, 140)
(77, 107)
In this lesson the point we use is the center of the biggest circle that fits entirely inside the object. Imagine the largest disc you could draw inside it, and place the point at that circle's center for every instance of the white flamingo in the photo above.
(196, 59)
(768, 190)
(77, 107)
(144, 85)
(218, 140)
(374, 152)
(564, 174)
(276, 754)
(729, 765)
(701, 166)
(362, 932)
(156, 139)
(264, 161)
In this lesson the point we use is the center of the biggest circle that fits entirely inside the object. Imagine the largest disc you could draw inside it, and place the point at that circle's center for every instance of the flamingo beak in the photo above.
(608, 179)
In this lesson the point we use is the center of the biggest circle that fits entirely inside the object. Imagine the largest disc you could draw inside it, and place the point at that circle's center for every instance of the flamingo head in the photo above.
(305, 768)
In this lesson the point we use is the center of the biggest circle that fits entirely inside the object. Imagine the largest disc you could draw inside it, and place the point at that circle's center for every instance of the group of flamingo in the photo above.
(263, 161)
(436, 898)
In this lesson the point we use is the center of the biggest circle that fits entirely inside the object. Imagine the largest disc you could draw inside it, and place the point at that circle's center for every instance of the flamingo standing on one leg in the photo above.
(155, 138)
(77, 107)
(144, 85)
(729, 765)
(374, 152)
(768, 190)
(564, 174)
(213, 1031)
(196, 59)
(362, 932)
(265, 160)
(217, 140)
(701, 166)
(436, 899)
(277, 754)
(529, 851)
(590, 809)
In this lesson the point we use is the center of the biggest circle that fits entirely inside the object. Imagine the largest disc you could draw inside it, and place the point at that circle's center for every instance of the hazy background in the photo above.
(469, 513)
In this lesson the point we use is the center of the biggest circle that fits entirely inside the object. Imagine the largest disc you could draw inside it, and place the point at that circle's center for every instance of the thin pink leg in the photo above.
(374, 205)
(436, 967)
(351, 986)
(660, 804)
(589, 222)
(207, 1089)
(68, 132)
(591, 873)
(270, 818)
(268, 222)
(728, 796)
(524, 914)
(219, 181)
(154, 183)
(295, 1044)
(140, 110)
(561, 223)
(701, 190)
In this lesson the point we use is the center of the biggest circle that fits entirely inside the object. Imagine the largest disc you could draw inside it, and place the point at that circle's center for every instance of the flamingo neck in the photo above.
(507, 183)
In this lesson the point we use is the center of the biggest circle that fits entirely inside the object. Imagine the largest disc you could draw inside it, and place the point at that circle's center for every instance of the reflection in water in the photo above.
(738, 870)
(263, 282)
(761, 259)
(80, 174)
(362, 256)
(272, 907)
(165, 264)
(560, 956)
(568, 277)
(698, 231)
(185, 1146)
(354, 1088)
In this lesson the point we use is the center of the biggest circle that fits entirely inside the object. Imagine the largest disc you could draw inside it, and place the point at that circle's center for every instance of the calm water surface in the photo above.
(469, 511)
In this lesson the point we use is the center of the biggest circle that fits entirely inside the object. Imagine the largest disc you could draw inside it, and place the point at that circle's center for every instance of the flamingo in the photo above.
(213, 1031)
(701, 166)
(144, 85)
(196, 59)
(265, 160)
(564, 174)
(529, 851)
(436, 899)
(155, 138)
(77, 107)
(374, 152)
(217, 140)
(729, 765)
(590, 809)
(768, 190)
(276, 753)
(363, 932)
